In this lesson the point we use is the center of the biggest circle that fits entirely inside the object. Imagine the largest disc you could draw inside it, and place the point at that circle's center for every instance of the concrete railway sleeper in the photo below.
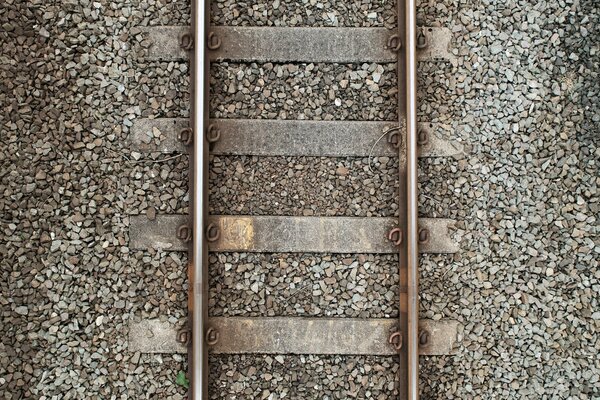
(405, 337)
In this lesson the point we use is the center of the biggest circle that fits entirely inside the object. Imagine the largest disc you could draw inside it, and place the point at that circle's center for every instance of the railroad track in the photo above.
(406, 337)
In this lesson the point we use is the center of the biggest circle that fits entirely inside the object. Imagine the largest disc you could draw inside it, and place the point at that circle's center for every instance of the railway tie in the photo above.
(199, 233)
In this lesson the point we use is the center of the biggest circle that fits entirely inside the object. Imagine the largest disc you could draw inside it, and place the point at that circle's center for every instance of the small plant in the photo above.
(182, 380)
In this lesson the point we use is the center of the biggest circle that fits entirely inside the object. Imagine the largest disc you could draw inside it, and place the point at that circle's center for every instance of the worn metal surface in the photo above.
(290, 234)
(295, 335)
(412, 203)
(402, 375)
(262, 44)
(293, 138)
(198, 180)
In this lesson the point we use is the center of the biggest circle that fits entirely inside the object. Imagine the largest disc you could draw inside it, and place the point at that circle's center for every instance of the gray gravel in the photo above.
(69, 89)
(338, 285)
(524, 94)
(302, 377)
(353, 13)
(526, 284)
(304, 91)
(152, 183)
(303, 186)
(322, 91)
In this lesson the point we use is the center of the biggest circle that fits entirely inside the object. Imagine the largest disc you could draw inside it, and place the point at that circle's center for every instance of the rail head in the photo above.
(409, 302)
(198, 266)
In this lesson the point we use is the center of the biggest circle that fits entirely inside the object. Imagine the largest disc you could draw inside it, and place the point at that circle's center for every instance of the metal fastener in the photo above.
(395, 235)
(423, 337)
(184, 233)
(212, 232)
(213, 41)
(422, 136)
(393, 138)
(212, 336)
(395, 340)
(186, 41)
(394, 42)
(423, 235)
(422, 41)
(186, 135)
(213, 134)
(183, 337)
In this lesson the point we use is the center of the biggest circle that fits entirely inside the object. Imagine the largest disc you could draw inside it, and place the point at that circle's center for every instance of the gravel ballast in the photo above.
(524, 96)
(353, 13)
(315, 91)
(304, 186)
(339, 285)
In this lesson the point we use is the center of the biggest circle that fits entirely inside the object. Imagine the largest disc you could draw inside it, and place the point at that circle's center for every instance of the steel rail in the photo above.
(412, 202)
(198, 267)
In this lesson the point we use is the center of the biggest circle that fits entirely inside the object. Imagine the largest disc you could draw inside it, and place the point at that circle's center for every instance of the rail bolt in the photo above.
(212, 336)
(186, 41)
(183, 337)
(213, 42)
(423, 235)
(395, 235)
(422, 137)
(184, 233)
(395, 340)
(423, 337)
(394, 138)
(213, 134)
(422, 41)
(212, 232)
(394, 42)
(186, 135)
